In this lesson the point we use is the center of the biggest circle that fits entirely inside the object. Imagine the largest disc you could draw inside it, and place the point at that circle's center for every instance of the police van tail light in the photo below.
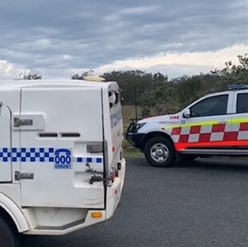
(113, 174)
(96, 215)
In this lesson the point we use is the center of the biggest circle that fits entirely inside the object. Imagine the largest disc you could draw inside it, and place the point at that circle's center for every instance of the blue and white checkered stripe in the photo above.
(27, 154)
(88, 160)
(46, 155)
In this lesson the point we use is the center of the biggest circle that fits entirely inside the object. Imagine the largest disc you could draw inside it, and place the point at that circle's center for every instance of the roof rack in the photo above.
(237, 86)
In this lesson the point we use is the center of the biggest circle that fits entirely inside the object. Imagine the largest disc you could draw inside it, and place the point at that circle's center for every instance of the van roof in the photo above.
(51, 83)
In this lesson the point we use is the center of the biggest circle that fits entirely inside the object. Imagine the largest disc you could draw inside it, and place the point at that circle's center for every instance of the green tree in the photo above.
(84, 74)
(161, 100)
(234, 73)
(135, 83)
(30, 75)
(179, 92)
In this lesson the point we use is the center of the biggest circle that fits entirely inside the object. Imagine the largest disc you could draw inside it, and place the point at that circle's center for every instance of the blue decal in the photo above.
(99, 160)
(80, 160)
(62, 159)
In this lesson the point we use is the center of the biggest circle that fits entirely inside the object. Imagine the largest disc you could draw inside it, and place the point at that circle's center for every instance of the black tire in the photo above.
(160, 152)
(188, 157)
(8, 234)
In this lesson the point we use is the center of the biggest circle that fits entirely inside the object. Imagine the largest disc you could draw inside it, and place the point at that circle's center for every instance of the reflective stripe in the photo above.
(206, 135)
(189, 125)
(181, 146)
(207, 123)
(240, 120)
(88, 160)
(43, 155)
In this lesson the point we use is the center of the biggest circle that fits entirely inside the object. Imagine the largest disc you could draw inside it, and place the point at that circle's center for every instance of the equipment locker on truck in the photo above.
(61, 164)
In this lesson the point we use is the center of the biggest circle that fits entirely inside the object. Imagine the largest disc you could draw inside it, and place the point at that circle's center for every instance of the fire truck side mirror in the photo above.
(186, 113)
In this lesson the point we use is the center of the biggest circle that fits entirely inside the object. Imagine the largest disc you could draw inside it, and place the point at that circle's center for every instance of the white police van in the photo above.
(216, 124)
(61, 164)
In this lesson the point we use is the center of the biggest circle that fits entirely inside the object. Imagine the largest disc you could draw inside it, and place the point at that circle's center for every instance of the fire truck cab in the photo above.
(216, 124)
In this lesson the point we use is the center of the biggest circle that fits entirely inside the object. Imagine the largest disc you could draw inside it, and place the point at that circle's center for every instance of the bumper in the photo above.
(135, 139)
(85, 216)
(115, 190)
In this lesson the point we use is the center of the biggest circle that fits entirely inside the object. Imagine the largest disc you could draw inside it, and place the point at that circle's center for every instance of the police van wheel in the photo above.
(160, 152)
(8, 234)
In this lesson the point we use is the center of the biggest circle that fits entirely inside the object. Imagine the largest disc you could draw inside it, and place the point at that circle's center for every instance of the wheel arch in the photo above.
(151, 135)
(10, 211)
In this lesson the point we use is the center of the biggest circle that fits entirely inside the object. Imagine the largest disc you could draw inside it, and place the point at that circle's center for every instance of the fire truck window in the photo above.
(242, 103)
(212, 106)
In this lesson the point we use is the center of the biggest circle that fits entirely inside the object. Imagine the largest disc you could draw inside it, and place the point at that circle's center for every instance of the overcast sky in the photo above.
(175, 37)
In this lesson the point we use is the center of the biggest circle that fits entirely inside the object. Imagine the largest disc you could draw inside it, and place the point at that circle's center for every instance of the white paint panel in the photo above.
(5, 160)
(58, 183)
(194, 137)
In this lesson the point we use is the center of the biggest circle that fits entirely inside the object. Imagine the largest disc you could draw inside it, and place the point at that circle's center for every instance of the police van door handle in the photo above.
(18, 122)
(19, 175)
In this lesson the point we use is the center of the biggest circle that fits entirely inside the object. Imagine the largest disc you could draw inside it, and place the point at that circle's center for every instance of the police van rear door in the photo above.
(61, 150)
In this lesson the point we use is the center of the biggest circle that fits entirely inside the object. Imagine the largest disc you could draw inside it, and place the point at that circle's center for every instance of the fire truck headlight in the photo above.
(139, 126)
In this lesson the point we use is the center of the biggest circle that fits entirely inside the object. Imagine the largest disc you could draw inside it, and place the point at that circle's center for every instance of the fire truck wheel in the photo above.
(8, 234)
(160, 152)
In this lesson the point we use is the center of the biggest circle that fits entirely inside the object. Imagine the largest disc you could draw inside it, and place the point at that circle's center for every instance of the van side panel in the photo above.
(9, 105)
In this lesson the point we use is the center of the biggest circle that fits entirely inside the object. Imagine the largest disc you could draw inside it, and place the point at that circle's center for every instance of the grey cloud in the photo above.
(47, 33)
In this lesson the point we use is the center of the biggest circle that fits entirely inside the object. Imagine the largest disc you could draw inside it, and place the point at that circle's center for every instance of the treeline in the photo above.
(158, 95)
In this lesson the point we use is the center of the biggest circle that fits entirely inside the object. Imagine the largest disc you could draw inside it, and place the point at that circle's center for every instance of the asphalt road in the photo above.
(200, 204)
